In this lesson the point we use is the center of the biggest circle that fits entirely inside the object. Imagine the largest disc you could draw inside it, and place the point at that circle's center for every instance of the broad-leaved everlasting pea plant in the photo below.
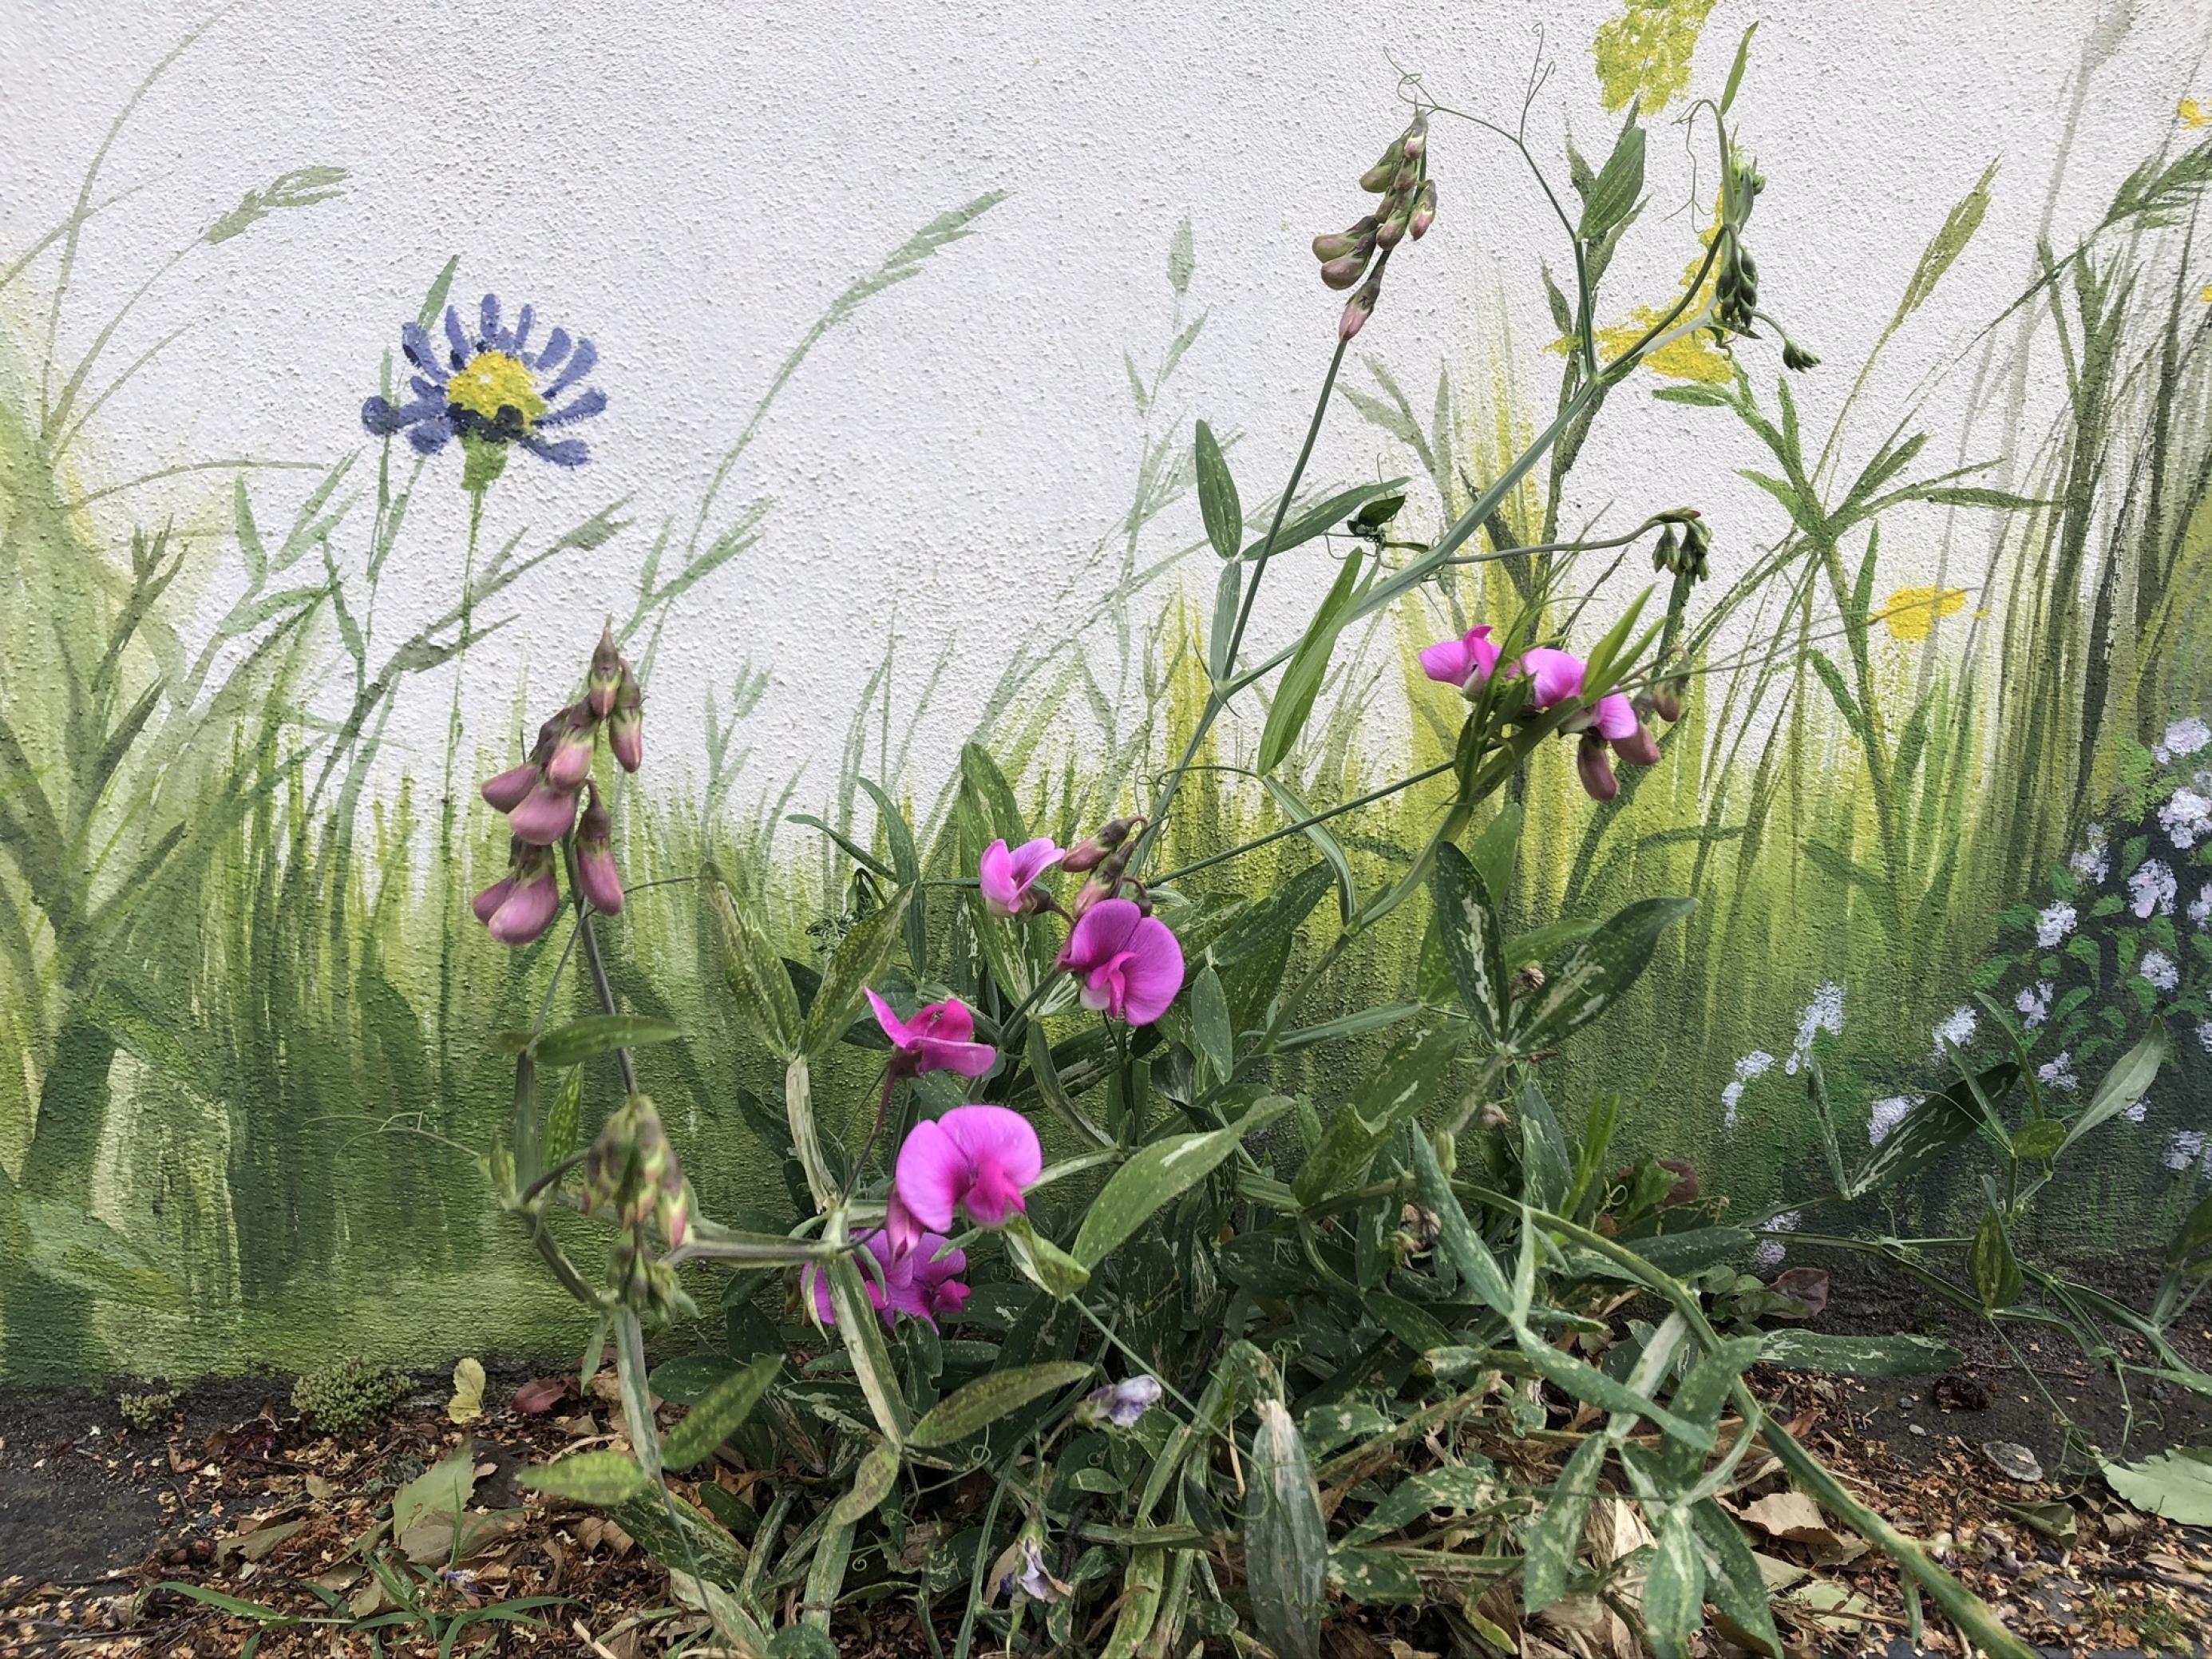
(1231, 1362)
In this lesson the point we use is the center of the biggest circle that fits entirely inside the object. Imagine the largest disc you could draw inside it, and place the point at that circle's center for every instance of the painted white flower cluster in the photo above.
(1886, 1115)
(2058, 920)
(2034, 1003)
(1770, 1251)
(2183, 739)
(2187, 1146)
(2057, 1072)
(1757, 1063)
(2152, 887)
(2159, 969)
(1824, 1013)
(2095, 861)
(2186, 818)
(1956, 1032)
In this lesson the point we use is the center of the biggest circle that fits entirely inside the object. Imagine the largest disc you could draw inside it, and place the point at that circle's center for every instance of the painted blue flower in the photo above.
(491, 389)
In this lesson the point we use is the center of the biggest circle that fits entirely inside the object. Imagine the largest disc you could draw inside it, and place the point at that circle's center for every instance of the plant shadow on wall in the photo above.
(1223, 1354)
(243, 1024)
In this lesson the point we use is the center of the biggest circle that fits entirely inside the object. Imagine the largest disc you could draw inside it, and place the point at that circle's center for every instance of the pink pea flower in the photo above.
(920, 1284)
(1007, 875)
(570, 762)
(1553, 677)
(977, 1158)
(1466, 662)
(533, 897)
(1130, 963)
(940, 1038)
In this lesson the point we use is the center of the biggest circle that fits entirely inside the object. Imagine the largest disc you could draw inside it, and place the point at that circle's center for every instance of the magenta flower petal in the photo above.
(902, 1231)
(932, 1175)
(511, 788)
(1638, 748)
(1131, 964)
(887, 1016)
(937, 1038)
(1555, 677)
(596, 874)
(1451, 662)
(995, 1135)
(1153, 973)
(1006, 875)
(1616, 717)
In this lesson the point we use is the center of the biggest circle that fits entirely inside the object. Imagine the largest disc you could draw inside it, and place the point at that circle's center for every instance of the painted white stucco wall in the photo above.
(692, 184)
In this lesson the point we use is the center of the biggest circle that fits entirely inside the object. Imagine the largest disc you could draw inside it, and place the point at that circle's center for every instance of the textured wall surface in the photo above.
(940, 492)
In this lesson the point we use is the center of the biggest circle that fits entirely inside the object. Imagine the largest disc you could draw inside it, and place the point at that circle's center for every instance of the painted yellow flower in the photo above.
(1692, 358)
(2193, 114)
(1912, 612)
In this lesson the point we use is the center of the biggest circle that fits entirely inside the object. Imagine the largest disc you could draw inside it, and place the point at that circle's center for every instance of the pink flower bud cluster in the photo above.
(1545, 679)
(550, 799)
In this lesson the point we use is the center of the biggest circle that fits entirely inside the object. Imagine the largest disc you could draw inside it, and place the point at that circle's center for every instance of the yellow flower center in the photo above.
(495, 380)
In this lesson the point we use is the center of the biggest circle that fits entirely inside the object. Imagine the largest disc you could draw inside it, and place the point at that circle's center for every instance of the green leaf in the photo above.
(1456, 1486)
(2045, 1139)
(2177, 1484)
(1043, 1262)
(1157, 1176)
(1996, 1271)
(1734, 1585)
(1376, 1578)
(1593, 974)
(1228, 593)
(1455, 1236)
(1324, 515)
(1217, 496)
(1930, 1129)
(1674, 1585)
(2194, 1234)
(907, 868)
(717, 1415)
(1286, 1539)
(1309, 666)
(975, 1407)
(862, 1333)
(757, 976)
(1324, 840)
(564, 1122)
(1394, 1093)
(601, 1033)
(872, 1483)
(1858, 1356)
(238, 1607)
(444, 1488)
(691, 1377)
(1474, 941)
(600, 1478)
(1737, 69)
(1595, 1388)
(1949, 241)
(802, 1642)
(1557, 1537)
(1209, 1022)
(2129, 1081)
(1620, 183)
(862, 955)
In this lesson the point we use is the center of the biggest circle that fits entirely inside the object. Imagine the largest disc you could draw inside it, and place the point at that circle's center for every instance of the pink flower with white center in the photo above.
(940, 1038)
(920, 1284)
(975, 1158)
(1007, 874)
(1466, 662)
(1130, 963)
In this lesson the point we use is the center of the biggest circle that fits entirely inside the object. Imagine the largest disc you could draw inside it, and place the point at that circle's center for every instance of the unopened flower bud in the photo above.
(510, 788)
(1595, 766)
(1343, 273)
(1358, 309)
(1424, 210)
(1391, 230)
(544, 816)
(1378, 178)
(1796, 357)
(570, 762)
(547, 735)
(1090, 852)
(1526, 981)
(1447, 1149)
(487, 903)
(1119, 1404)
(1416, 137)
(533, 898)
(1686, 1187)
(1667, 699)
(1336, 244)
(1490, 1117)
(596, 874)
(1638, 748)
(605, 677)
(626, 729)
(1408, 181)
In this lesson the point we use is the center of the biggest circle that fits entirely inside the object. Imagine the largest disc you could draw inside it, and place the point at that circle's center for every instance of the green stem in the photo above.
(449, 813)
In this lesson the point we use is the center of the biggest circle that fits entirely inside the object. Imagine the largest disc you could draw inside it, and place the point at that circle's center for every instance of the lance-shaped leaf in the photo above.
(592, 1477)
(907, 868)
(717, 1414)
(2128, 1082)
(872, 1483)
(1157, 1176)
(1857, 1356)
(1931, 1129)
(601, 1033)
(975, 1407)
(1595, 973)
(1549, 1564)
(866, 946)
(1286, 1539)
(862, 1333)
(1474, 941)
(1455, 1236)
(1674, 1586)
(1394, 1093)
(1216, 495)
(1309, 666)
(1319, 518)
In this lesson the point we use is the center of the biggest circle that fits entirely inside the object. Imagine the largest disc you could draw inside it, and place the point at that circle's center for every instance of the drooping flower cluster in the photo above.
(1128, 962)
(919, 1283)
(1544, 678)
(1408, 207)
(488, 388)
(543, 798)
